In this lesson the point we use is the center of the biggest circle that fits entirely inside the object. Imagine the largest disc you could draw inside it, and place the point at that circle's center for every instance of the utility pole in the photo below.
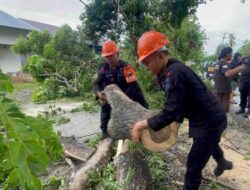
(224, 37)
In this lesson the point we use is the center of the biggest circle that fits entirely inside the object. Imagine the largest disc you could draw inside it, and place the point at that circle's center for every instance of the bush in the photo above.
(154, 96)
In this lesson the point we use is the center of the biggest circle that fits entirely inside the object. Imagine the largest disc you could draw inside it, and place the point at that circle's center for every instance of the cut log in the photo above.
(76, 150)
(119, 147)
(125, 113)
(99, 159)
(133, 172)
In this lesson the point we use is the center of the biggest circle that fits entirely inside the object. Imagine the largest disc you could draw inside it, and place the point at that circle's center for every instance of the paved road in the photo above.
(81, 124)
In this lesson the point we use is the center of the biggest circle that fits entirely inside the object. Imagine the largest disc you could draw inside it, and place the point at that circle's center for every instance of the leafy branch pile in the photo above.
(63, 64)
(26, 144)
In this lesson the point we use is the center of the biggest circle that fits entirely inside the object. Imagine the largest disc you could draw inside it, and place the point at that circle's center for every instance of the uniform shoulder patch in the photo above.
(129, 74)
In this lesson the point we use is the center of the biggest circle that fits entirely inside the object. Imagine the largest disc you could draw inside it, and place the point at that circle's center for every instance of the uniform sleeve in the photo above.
(224, 67)
(173, 103)
(235, 64)
(246, 61)
(97, 86)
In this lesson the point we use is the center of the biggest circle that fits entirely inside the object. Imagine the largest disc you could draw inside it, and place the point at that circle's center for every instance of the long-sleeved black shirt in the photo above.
(187, 97)
(128, 84)
(245, 74)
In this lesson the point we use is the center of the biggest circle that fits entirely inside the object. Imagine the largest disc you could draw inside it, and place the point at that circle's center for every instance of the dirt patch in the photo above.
(57, 176)
(238, 178)
(21, 79)
(235, 145)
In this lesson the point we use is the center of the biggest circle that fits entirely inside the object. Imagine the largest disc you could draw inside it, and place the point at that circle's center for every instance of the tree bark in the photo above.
(125, 113)
(101, 157)
(76, 150)
(133, 172)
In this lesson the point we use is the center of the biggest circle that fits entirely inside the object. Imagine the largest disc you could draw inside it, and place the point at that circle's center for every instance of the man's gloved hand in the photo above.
(102, 97)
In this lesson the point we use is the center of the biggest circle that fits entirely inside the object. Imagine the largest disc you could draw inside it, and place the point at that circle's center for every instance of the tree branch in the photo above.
(62, 79)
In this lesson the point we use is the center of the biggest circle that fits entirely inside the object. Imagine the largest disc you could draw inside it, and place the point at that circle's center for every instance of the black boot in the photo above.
(104, 135)
(222, 165)
(247, 114)
(240, 111)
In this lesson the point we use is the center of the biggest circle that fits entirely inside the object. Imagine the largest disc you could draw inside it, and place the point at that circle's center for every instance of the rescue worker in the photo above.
(245, 87)
(186, 97)
(115, 71)
(222, 80)
(210, 71)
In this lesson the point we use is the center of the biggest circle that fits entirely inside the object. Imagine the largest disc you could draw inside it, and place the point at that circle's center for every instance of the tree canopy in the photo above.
(129, 19)
(245, 48)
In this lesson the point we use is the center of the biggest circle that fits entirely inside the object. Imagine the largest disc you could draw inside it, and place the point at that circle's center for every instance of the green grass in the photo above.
(62, 120)
(90, 106)
(104, 178)
(24, 86)
(94, 141)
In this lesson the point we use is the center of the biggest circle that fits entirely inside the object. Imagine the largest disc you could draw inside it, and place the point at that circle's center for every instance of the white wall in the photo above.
(10, 35)
(9, 61)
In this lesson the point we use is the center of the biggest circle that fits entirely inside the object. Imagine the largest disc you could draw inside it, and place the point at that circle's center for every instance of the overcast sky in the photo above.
(216, 17)
(224, 16)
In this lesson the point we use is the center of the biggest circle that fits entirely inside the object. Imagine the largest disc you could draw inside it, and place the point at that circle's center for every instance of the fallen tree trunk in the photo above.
(76, 150)
(100, 158)
(125, 113)
(132, 172)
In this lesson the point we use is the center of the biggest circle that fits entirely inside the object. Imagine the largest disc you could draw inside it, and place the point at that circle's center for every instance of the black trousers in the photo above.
(201, 150)
(244, 94)
(105, 116)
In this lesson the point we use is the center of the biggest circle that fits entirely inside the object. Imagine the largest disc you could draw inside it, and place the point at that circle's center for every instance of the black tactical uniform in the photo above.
(128, 84)
(245, 85)
(188, 97)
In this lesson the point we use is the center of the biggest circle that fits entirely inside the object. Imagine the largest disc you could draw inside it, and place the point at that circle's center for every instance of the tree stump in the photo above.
(125, 113)
(133, 172)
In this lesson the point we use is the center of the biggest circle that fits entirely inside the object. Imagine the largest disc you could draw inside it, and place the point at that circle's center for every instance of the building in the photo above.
(11, 29)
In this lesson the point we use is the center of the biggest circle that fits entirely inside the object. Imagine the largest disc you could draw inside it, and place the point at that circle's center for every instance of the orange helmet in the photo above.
(149, 42)
(109, 48)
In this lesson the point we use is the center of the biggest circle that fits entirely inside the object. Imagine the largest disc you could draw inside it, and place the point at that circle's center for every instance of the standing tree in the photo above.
(189, 40)
(100, 21)
(245, 48)
(137, 16)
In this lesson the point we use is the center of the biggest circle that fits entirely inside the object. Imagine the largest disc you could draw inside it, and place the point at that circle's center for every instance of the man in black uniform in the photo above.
(115, 71)
(186, 97)
(245, 87)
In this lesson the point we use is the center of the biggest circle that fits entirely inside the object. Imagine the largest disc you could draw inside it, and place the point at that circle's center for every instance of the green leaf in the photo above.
(5, 84)
(2, 148)
(25, 152)
(44, 129)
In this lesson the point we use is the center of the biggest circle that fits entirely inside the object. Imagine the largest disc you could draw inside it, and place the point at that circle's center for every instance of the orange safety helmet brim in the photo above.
(149, 42)
(109, 48)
